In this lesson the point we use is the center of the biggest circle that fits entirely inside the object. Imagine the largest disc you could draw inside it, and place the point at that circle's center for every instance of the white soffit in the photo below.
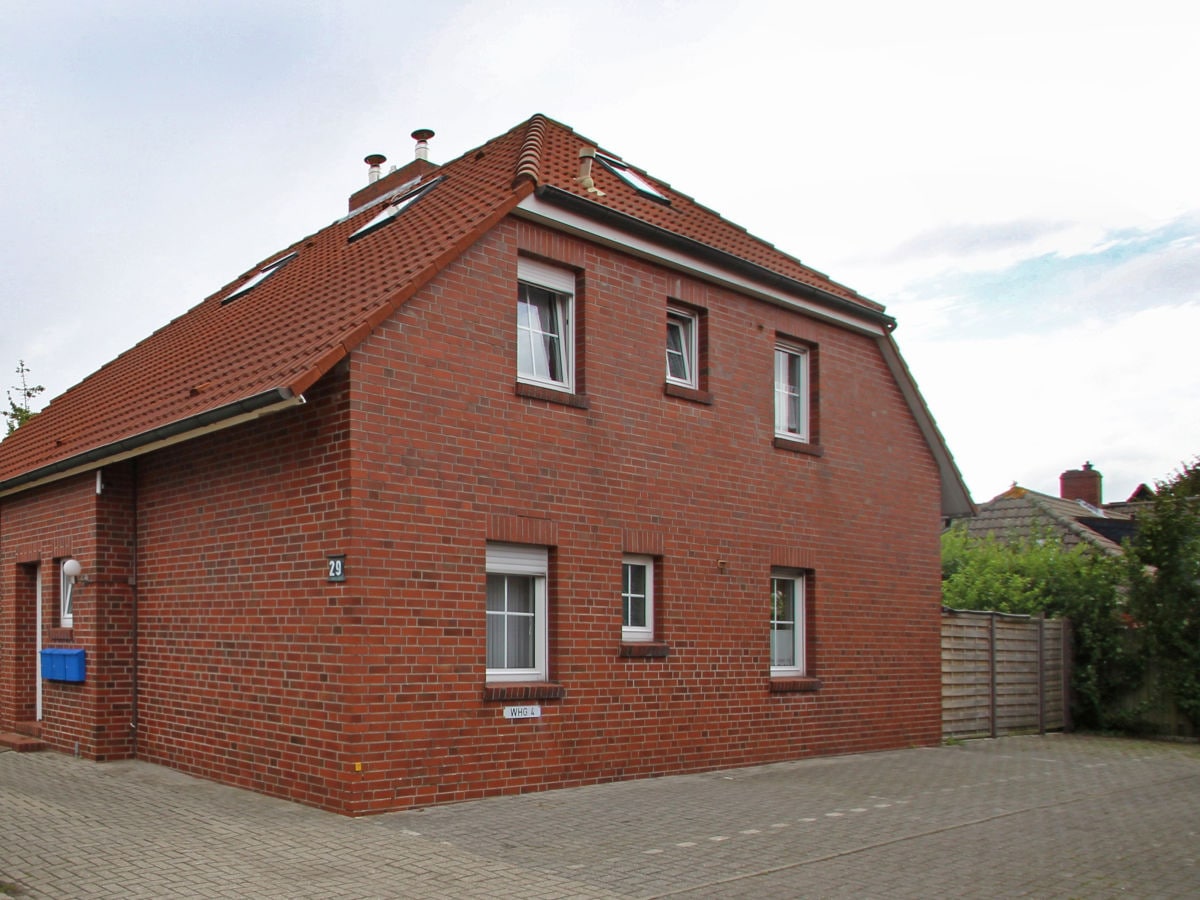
(538, 210)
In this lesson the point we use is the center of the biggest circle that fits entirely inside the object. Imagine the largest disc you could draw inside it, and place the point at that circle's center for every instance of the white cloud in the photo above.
(1025, 408)
(153, 154)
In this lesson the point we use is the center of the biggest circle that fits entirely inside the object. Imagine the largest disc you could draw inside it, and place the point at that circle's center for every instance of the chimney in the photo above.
(375, 160)
(1081, 484)
(422, 136)
(379, 183)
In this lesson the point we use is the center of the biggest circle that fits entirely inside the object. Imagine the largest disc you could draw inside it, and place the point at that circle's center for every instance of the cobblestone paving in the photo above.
(1056, 816)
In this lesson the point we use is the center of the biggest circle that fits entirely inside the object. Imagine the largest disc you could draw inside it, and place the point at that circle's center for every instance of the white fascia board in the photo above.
(535, 209)
(141, 450)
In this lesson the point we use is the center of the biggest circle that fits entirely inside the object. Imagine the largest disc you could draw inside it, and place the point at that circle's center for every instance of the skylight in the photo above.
(392, 210)
(258, 277)
(630, 177)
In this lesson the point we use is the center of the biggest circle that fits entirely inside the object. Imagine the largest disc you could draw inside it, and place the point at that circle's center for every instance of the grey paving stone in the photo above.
(1055, 816)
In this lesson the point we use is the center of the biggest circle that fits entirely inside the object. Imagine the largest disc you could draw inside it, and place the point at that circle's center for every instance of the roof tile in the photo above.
(288, 330)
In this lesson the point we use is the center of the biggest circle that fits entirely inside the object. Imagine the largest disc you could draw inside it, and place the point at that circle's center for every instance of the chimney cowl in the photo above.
(422, 136)
(374, 160)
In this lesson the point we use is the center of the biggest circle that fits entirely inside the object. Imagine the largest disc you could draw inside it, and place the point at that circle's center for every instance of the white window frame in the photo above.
(791, 392)
(637, 632)
(521, 560)
(259, 277)
(66, 591)
(560, 283)
(393, 209)
(687, 324)
(794, 578)
(630, 177)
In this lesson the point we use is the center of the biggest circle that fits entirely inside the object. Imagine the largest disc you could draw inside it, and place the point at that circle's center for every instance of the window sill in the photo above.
(687, 393)
(523, 690)
(61, 634)
(537, 392)
(644, 649)
(782, 443)
(794, 684)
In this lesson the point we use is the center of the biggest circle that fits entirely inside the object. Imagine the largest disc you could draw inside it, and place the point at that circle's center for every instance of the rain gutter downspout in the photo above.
(133, 592)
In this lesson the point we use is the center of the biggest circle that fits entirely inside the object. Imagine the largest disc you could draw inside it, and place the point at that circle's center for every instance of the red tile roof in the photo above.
(276, 340)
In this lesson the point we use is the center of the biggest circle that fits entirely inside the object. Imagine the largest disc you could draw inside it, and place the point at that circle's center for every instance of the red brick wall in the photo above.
(45, 526)
(370, 695)
(447, 446)
(241, 644)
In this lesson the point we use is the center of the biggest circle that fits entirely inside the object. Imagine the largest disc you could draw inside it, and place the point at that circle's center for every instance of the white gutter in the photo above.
(538, 210)
(156, 439)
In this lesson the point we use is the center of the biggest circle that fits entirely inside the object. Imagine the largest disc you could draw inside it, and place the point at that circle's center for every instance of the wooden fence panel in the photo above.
(1002, 674)
(966, 676)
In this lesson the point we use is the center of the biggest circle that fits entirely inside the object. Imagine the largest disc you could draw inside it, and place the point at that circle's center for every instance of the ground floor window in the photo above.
(516, 612)
(787, 622)
(637, 598)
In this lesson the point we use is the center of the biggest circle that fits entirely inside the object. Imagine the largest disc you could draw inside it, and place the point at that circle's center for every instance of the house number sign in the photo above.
(337, 568)
(522, 712)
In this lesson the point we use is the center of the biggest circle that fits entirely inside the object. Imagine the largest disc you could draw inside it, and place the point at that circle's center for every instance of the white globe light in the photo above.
(71, 568)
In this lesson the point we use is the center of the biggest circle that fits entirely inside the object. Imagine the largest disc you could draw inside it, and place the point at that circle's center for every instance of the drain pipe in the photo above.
(133, 590)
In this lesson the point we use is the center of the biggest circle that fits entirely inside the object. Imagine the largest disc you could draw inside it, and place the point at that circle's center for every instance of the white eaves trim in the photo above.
(538, 210)
(956, 499)
(118, 455)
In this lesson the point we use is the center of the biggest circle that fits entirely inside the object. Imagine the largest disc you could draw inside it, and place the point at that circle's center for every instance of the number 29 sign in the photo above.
(337, 568)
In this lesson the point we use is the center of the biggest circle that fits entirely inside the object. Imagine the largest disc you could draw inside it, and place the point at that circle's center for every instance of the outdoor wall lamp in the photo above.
(72, 569)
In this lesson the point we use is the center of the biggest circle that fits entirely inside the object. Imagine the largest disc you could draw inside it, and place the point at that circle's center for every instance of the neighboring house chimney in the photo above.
(1081, 484)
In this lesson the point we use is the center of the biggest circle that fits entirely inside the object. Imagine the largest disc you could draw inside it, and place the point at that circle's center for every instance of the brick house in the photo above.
(528, 472)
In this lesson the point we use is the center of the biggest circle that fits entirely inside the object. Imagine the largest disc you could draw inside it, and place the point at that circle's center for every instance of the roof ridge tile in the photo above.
(530, 159)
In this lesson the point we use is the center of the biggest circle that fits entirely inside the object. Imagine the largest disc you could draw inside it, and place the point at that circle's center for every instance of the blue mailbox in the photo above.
(63, 664)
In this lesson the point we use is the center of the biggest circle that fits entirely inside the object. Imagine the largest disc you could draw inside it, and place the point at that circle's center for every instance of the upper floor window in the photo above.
(516, 612)
(791, 392)
(637, 598)
(681, 347)
(545, 325)
(787, 622)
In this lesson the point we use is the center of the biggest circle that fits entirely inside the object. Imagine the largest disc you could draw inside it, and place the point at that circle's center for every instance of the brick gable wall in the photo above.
(370, 694)
(456, 456)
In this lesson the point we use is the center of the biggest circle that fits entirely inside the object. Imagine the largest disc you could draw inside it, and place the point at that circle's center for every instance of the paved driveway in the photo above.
(1055, 816)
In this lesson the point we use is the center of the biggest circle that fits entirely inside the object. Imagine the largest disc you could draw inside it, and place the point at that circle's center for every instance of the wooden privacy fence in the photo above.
(1003, 674)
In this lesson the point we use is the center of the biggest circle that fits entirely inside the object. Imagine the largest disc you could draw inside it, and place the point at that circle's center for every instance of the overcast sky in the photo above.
(1019, 183)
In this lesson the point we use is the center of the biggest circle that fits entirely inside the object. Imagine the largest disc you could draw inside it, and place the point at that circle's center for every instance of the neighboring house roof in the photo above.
(241, 353)
(1023, 513)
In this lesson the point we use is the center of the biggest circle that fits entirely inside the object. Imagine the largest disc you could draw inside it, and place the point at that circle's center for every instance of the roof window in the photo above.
(393, 209)
(631, 178)
(258, 277)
